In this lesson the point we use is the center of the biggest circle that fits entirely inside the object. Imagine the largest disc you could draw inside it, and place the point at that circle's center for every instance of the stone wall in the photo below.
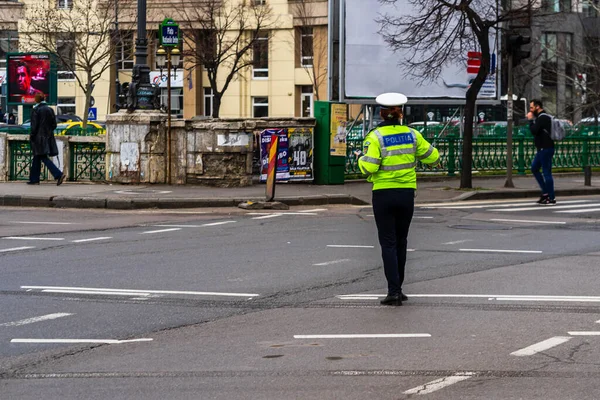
(215, 152)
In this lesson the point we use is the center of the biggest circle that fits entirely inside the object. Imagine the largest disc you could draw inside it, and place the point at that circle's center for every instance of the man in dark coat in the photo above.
(43, 143)
(540, 125)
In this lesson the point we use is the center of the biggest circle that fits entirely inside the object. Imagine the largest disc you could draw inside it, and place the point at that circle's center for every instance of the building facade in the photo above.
(287, 71)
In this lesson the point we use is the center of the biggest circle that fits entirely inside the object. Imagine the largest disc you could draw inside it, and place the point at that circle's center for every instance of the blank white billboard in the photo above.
(368, 60)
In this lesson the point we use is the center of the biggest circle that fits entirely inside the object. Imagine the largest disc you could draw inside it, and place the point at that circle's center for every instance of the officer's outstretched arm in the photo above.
(426, 153)
(371, 160)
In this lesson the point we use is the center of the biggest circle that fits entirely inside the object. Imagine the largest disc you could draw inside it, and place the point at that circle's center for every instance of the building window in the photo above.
(259, 2)
(260, 52)
(208, 102)
(260, 107)
(66, 105)
(176, 100)
(557, 5)
(65, 47)
(549, 47)
(9, 42)
(306, 46)
(125, 51)
(64, 4)
(590, 8)
(307, 101)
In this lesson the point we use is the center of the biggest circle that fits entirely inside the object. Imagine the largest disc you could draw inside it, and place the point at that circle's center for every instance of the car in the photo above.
(491, 128)
(76, 129)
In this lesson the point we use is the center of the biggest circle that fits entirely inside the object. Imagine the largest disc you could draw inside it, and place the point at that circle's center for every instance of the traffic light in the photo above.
(514, 44)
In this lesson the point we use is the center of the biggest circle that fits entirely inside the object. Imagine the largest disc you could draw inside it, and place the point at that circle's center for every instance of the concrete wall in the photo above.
(214, 152)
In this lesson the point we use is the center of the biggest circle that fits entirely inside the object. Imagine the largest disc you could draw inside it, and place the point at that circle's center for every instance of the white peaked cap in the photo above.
(391, 99)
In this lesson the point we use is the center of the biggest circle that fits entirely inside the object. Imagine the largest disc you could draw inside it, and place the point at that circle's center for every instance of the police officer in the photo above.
(391, 152)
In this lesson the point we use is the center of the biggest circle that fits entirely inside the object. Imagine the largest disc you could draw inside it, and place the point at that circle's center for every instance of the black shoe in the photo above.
(395, 300)
(60, 180)
(33, 183)
(543, 199)
(548, 202)
(403, 297)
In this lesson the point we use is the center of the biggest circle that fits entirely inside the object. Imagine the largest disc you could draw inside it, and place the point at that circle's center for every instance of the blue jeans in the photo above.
(36, 168)
(543, 160)
(393, 210)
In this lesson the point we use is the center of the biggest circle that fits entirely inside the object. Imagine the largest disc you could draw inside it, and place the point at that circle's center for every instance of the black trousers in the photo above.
(36, 168)
(393, 210)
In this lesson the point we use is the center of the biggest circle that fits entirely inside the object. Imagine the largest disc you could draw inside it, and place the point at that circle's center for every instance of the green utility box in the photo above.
(330, 142)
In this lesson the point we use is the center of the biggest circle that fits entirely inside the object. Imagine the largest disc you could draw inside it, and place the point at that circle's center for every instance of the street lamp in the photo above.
(170, 59)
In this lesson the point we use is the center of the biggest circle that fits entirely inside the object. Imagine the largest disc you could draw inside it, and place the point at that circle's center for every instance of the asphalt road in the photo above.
(229, 304)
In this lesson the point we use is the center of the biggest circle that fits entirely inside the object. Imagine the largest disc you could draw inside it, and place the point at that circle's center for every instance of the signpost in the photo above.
(169, 33)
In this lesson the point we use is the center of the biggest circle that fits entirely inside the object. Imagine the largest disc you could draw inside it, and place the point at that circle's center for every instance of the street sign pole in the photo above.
(509, 128)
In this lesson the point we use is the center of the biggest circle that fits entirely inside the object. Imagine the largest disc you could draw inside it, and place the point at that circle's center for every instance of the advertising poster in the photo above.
(283, 168)
(301, 154)
(339, 121)
(28, 74)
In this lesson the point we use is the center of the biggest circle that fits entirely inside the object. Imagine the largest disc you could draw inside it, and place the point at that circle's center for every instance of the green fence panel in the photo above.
(20, 157)
(88, 161)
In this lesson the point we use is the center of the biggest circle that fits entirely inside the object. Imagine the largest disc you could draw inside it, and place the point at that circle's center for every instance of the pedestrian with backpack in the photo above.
(541, 126)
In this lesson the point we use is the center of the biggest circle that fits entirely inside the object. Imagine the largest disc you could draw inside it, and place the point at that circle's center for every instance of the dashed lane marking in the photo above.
(584, 333)
(489, 297)
(441, 383)
(36, 319)
(71, 341)
(501, 251)
(91, 239)
(527, 221)
(44, 223)
(365, 336)
(350, 246)
(32, 238)
(137, 292)
(332, 262)
(17, 249)
(541, 346)
(550, 207)
(161, 231)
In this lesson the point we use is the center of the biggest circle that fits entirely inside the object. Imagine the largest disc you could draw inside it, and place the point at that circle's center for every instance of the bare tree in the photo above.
(81, 38)
(437, 33)
(311, 42)
(225, 37)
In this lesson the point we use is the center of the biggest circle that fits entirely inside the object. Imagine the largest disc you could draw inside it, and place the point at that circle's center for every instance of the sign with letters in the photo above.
(169, 33)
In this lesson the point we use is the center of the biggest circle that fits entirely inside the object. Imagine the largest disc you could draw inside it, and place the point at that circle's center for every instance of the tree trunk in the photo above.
(86, 109)
(216, 105)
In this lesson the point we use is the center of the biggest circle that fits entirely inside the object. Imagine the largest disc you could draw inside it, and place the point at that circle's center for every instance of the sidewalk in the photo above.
(114, 196)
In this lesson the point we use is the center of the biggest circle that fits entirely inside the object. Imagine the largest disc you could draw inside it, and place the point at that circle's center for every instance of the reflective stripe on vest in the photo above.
(428, 153)
(387, 153)
(397, 167)
(371, 160)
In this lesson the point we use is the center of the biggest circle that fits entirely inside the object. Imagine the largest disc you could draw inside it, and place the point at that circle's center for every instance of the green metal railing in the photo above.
(87, 161)
(578, 149)
(73, 131)
(20, 161)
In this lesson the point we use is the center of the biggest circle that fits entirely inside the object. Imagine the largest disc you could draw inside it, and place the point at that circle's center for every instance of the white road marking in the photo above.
(502, 251)
(161, 231)
(419, 217)
(36, 319)
(459, 241)
(142, 291)
(268, 216)
(541, 346)
(587, 210)
(441, 383)
(598, 322)
(313, 211)
(31, 238)
(283, 213)
(585, 333)
(99, 341)
(462, 205)
(365, 336)
(94, 292)
(17, 249)
(44, 223)
(538, 207)
(489, 297)
(527, 221)
(480, 202)
(332, 262)
(219, 223)
(91, 239)
(350, 246)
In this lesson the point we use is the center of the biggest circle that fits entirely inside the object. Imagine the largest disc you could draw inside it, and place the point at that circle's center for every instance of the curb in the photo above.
(138, 204)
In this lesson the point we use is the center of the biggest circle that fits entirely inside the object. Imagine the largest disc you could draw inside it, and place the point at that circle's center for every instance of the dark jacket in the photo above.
(43, 124)
(540, 128)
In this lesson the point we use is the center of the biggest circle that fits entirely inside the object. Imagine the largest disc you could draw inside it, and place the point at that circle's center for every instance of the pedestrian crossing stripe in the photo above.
(564, 206)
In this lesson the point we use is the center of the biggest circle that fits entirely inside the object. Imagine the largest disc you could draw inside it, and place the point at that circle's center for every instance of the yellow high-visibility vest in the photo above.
(390, 155)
